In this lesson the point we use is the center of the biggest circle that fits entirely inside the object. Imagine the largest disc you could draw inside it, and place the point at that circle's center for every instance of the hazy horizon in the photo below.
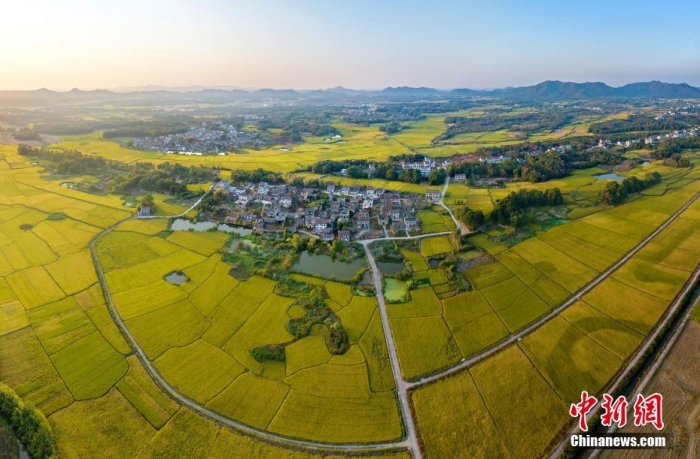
(366, 45)
(149, 87)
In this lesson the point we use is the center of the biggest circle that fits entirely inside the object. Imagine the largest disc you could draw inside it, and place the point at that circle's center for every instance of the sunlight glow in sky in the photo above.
(362, 44)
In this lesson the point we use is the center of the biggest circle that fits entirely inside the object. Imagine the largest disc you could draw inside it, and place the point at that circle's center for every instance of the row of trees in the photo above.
(29, 424)
(615, 192)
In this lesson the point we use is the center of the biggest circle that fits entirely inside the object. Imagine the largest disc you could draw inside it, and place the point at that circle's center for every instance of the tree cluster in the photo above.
(389, 170)
(508, 211)
(256, 176)
(391, 128)
(24, 135)
(676, 160)
(273, 352)
(168, 177)
(534, 167)
(671, 147)
(615, 192)
(30, 425)
(474, 219)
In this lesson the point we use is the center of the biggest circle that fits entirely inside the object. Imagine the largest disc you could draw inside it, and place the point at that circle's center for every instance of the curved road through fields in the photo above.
(402, 386)
(263, 435)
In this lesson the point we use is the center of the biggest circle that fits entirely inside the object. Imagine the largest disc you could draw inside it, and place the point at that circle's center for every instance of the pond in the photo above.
(611, 176)
(434, 263)
(182, 224)
(324, 266)
(395, 290)
(390, 267)
(176, 278)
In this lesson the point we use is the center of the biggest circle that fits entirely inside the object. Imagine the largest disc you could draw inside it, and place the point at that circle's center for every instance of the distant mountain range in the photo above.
(545, 91)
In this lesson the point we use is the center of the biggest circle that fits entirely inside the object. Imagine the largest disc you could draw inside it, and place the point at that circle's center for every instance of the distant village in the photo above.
(215, 138)
(651, 140)
(336, 212)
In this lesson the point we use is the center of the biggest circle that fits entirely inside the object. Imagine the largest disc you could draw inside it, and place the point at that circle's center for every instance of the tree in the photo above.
(355, 172)
(437, 177)
(296, 242)
(474, 219)
(148, 201)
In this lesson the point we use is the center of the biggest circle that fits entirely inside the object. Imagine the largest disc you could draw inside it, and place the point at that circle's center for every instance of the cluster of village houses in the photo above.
(651, 140)
(214, 137)
(349, 212)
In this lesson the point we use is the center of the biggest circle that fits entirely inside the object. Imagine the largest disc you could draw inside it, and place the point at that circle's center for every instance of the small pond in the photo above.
(611, 176)
(176, 278)
(182, 224)
(390, 267)
(434, 263)
(395, 290)
(323, 265)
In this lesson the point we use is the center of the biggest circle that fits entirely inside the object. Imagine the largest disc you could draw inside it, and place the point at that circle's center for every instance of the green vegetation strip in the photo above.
(29, 424)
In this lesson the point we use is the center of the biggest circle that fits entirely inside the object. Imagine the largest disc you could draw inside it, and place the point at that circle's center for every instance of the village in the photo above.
(650, 140)
(335, 212)
(216, 138)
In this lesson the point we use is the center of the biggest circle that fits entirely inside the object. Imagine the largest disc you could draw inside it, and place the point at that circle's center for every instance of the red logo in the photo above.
(647, 410)
(582, 408)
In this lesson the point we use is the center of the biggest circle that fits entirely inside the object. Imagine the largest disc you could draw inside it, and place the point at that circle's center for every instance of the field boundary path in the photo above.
(262, 435)
(554, 312)
(462, 227)
(181, 214)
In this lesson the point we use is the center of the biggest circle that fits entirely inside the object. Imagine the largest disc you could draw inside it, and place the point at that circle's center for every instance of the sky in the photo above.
(362, 44)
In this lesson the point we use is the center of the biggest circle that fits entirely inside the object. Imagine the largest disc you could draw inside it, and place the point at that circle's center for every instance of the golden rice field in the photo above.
(60, 348)
(580, 349)
(199, 335)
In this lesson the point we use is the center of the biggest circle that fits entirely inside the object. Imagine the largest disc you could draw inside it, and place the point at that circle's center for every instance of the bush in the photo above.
(274, 352)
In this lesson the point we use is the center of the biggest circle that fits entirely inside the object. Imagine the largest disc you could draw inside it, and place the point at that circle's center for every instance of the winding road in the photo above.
(410, 442)
(263, 435)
